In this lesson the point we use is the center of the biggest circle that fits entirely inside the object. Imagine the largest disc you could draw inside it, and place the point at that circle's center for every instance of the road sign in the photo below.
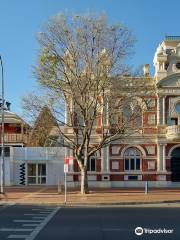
(68, 160)
(66, 167)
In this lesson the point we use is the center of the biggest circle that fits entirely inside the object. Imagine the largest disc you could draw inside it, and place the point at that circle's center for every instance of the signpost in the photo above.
(67, 161)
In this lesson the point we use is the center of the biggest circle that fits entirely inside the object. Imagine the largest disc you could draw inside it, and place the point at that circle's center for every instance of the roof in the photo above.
(172, 38)
(10, 117)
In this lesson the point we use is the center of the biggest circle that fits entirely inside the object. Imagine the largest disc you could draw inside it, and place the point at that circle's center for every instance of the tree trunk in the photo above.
(84, 181)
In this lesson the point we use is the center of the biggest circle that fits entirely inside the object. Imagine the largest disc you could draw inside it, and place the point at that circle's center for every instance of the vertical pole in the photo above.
(146, 187)
(65, 187)
(2, 127)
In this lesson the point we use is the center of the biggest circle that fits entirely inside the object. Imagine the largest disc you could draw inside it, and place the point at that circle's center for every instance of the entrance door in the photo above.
(175, 165)
(36, 173)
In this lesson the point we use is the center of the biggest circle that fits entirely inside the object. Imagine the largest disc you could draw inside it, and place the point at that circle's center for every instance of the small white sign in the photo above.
(66, 168)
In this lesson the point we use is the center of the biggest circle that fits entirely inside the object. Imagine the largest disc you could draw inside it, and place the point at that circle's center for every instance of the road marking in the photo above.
(16, 229)
(30, 225)
(26, 221)
(18, 236)
(42, 209)
(39, 217)
(34, 214)
(45, 212)
(33, 235)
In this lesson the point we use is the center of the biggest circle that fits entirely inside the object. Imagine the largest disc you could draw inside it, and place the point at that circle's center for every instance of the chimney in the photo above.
(146, 70)
(8, 104)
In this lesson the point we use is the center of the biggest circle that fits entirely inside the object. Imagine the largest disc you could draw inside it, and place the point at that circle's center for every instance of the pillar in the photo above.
(158, 110)
(161, 157)
(105, 159)
(163, 110)
(164, 157)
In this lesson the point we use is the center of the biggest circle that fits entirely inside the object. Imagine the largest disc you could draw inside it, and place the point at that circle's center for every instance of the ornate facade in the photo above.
(153, 154)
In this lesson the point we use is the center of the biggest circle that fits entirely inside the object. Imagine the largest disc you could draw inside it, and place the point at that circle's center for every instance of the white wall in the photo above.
(53, 157)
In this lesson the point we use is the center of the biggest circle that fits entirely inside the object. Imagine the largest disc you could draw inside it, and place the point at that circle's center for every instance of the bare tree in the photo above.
(82, 69)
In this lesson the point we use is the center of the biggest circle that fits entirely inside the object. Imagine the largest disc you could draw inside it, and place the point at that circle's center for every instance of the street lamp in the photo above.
(2, 126)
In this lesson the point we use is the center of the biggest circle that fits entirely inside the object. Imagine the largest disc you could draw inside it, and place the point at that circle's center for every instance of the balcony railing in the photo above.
(173, 132)
(14, 138)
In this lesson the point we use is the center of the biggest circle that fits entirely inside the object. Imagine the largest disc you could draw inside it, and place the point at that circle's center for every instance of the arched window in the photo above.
(132, 159)
(132, 114)
(137, 121)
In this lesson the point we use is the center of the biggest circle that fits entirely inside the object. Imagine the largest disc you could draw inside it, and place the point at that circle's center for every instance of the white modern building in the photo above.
(34, 166)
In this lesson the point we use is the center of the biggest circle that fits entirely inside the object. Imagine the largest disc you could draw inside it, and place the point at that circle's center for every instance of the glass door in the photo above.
(31, 173)
(41, 173)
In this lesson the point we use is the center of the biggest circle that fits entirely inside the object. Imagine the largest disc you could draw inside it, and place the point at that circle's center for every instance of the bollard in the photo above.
(60, 187)
(146, 187)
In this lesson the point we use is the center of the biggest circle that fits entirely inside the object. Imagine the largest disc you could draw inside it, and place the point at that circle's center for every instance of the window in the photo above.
(18, 128)
(178, 65)
(166, 65)
(177, 107)
(132, 115)
(137, 116)
(91, 166)
(36, 173)
(6, 151)
(132, 159)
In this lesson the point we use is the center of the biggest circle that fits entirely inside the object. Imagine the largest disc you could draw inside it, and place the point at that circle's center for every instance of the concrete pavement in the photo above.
(49, 195)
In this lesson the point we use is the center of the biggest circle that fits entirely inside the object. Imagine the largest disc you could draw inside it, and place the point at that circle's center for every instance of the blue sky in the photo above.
(20, 20)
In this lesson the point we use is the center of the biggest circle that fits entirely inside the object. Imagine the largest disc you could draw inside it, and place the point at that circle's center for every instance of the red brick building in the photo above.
(153, 154)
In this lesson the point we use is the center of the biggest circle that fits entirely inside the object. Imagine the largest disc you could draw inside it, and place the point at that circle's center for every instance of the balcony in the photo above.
(173, 132)
(14, 138)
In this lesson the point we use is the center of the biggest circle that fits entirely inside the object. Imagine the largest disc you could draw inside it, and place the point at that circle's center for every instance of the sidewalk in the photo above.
(50, 196)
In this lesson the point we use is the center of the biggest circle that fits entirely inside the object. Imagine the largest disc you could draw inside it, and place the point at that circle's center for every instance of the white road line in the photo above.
(34, 214)
(33, 235)
(39, 217)
(46, 212)
(16, 229)
(17, 236)
(26, 221)
(30, 224)
(42, 209)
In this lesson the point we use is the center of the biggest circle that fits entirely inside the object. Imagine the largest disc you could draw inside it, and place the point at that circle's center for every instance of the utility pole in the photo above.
(2, 127)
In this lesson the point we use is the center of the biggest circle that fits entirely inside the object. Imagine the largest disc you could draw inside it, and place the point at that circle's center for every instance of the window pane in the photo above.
(132, 164)
(88, 165)
(43, 180)
(31, 169)
(31, 180)
(137, 116)
(137, 164)
(126, 164)
(41, 169)
(93, 164)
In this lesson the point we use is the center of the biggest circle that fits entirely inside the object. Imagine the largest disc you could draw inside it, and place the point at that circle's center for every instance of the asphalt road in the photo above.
(44, 223)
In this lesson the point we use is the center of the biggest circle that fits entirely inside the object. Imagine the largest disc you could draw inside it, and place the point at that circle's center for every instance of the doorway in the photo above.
(175, 165)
